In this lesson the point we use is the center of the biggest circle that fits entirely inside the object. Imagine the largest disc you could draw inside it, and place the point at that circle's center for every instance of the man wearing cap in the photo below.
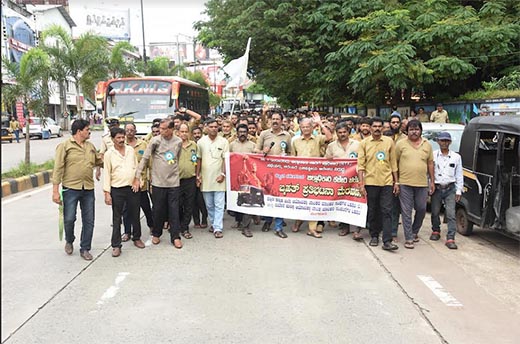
(448, 188)
(106, 139)
(440, 115)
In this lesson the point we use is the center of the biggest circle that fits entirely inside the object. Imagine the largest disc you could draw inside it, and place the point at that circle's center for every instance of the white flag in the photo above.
(237, 69)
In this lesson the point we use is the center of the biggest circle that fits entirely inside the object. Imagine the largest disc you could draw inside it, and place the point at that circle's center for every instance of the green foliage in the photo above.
(214, 99)
(24, 169)
(342, 51)
(508, 82)
(118, 66)
(159, 66)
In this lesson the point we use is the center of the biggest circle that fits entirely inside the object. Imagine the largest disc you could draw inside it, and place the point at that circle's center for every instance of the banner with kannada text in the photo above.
(297, 188)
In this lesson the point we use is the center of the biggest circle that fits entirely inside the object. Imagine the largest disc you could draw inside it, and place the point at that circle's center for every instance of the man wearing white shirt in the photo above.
(448, 188)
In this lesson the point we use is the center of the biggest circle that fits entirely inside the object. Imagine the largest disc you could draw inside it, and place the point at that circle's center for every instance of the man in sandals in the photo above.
(415, 164)
(211, 175)
(188, 181)
(308, 145)
(164, 151)
(243, 145)
(378, 180)
(449, 184)
(343, 148)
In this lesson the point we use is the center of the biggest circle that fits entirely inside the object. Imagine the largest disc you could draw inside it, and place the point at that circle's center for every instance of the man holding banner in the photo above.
(377, 171)
(274, 141)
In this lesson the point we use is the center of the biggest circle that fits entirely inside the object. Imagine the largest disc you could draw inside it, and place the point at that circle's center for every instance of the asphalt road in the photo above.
(258, 290)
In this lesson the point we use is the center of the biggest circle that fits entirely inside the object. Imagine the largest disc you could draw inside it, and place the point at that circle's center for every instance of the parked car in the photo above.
(490, 150)
(42, 128)
(6, 135)
(432, 130)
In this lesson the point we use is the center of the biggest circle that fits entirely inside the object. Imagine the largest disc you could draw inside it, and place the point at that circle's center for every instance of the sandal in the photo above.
(314, 234)
(187, 235)
(247, 233)
(408, 244)
(296, 226)
(218, 234)
(177, 243)
(333, 224)
(257, 220)
(416, 238)
(357, 236)
(344, 232)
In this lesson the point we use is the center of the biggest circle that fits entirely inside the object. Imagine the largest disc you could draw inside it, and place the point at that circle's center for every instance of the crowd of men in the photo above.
(176, 174)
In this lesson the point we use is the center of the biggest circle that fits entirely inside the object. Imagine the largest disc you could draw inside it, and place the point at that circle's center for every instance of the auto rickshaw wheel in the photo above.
(464, 225)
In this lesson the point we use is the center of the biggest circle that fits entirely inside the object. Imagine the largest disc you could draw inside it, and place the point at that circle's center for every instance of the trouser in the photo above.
(215, 201)
(278, 223)
(17, 135)
(379, 201)
(244, 219)
(448, 196)
(144, 202)
(86, 200)
(396, 212)
(120, 197)
(412, 197)
(166, 208)
(199, 208)
(188, 189)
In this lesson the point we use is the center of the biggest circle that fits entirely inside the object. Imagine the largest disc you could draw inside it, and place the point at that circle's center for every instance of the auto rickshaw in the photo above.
(490, 150)
(252, 195)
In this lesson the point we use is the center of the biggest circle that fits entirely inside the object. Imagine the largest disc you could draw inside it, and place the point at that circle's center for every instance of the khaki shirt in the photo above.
(282, 142)
(309, 147)
(106, 143)
(336, 150)
(239, 147)
(399, 137)
(139, 149)
(423, 117)
(377, 158)
(439, 117)
(73, 165)
(119, 170)
(188, 160)
(413, 162)
(164, 155)
(212, 153)
(358, 137)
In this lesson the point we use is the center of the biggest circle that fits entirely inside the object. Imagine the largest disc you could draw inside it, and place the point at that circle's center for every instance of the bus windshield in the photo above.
(139, 99)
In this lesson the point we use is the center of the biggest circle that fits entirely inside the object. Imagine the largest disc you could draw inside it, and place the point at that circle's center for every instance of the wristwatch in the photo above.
(222, 174)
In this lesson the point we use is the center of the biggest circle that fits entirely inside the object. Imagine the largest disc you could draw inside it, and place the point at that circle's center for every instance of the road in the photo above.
(41, 150)
(258, 290)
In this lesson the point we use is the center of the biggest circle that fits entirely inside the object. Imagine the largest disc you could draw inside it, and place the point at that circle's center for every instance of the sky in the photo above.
(163, 19)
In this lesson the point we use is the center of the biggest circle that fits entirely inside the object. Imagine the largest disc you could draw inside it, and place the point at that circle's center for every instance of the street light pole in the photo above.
(142, 25)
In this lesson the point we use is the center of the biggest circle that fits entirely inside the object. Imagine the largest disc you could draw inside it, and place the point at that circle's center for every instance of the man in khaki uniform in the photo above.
(73, 168)
(415, 164)
(188, 180)
(378, 179)
(309, 145)
(440, 115)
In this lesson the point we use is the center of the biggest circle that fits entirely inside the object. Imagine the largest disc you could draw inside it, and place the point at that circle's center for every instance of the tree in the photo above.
(29, 87)
(118, 65)
(85, 59)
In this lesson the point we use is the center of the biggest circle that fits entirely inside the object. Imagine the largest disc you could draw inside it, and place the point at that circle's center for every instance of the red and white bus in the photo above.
(142, 99)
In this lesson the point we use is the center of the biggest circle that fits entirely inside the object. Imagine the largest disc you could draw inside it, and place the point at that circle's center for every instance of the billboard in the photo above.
(20, 32)
(106, 22)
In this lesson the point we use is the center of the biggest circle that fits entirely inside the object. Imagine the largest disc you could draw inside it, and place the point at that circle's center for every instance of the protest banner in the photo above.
(295, 188)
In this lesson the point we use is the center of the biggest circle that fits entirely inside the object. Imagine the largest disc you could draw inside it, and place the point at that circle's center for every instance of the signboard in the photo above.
(298, 188)
(110, 23)
(20, 33)
(139, 87)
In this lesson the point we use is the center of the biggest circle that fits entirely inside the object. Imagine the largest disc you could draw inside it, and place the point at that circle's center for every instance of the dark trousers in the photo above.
(166, 207)
(396, 212)
(379, 199)
(199, 208)
(188, 190)
(144, 201)
(244, 219)
(86, 200)
(120, 197)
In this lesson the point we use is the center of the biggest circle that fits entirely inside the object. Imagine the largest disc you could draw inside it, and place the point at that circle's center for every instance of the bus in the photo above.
(142, 99)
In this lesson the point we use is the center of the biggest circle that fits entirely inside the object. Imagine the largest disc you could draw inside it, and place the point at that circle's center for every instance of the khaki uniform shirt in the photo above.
(139, 149)
(308, 147)
(73, 165)
(336, 150)
(212, 155)
(377, 158)
(164, 155)
(106, 143)
(282, 142)
(358, 137)
(439, 117)
(119, 170)
(188, 160)
(423, 117)
(239, 147)
(413, 162)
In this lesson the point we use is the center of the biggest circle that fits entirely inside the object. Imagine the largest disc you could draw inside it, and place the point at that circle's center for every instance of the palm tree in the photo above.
(29, 87)
(85, 60)
(118, 66)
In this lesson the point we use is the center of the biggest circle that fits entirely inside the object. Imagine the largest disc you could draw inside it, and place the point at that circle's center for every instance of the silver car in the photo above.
(43, 128)
(432, 130)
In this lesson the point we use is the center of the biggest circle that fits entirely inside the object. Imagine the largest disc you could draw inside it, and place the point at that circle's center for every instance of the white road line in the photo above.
(439, 291)
(112, 291)
(27, 194)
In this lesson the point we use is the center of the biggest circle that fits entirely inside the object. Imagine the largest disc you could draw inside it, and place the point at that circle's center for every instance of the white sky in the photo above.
(164, 19)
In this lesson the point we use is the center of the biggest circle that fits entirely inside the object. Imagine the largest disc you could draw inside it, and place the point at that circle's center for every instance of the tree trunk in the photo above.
(63, 104)
(27, 136)
(78, 102)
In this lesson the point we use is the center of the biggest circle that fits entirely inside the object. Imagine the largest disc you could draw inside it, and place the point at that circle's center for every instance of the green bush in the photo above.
(24, 170)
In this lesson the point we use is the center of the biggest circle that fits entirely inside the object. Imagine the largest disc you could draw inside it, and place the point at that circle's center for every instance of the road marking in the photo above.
(112, 291)
(439, 291)
(27, 194)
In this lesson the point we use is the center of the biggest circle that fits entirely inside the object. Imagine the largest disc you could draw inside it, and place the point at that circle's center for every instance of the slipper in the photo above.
(296, 226)
(210, 229)
(408, 244)
(416, 238)
(177, 243)
(357, 236)
(204, 225)
(333, 224)
(257, 220)
(314, 234)
(187, 235)
(197, 226)
(344, 232)
(218, 234)
(247, 233)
